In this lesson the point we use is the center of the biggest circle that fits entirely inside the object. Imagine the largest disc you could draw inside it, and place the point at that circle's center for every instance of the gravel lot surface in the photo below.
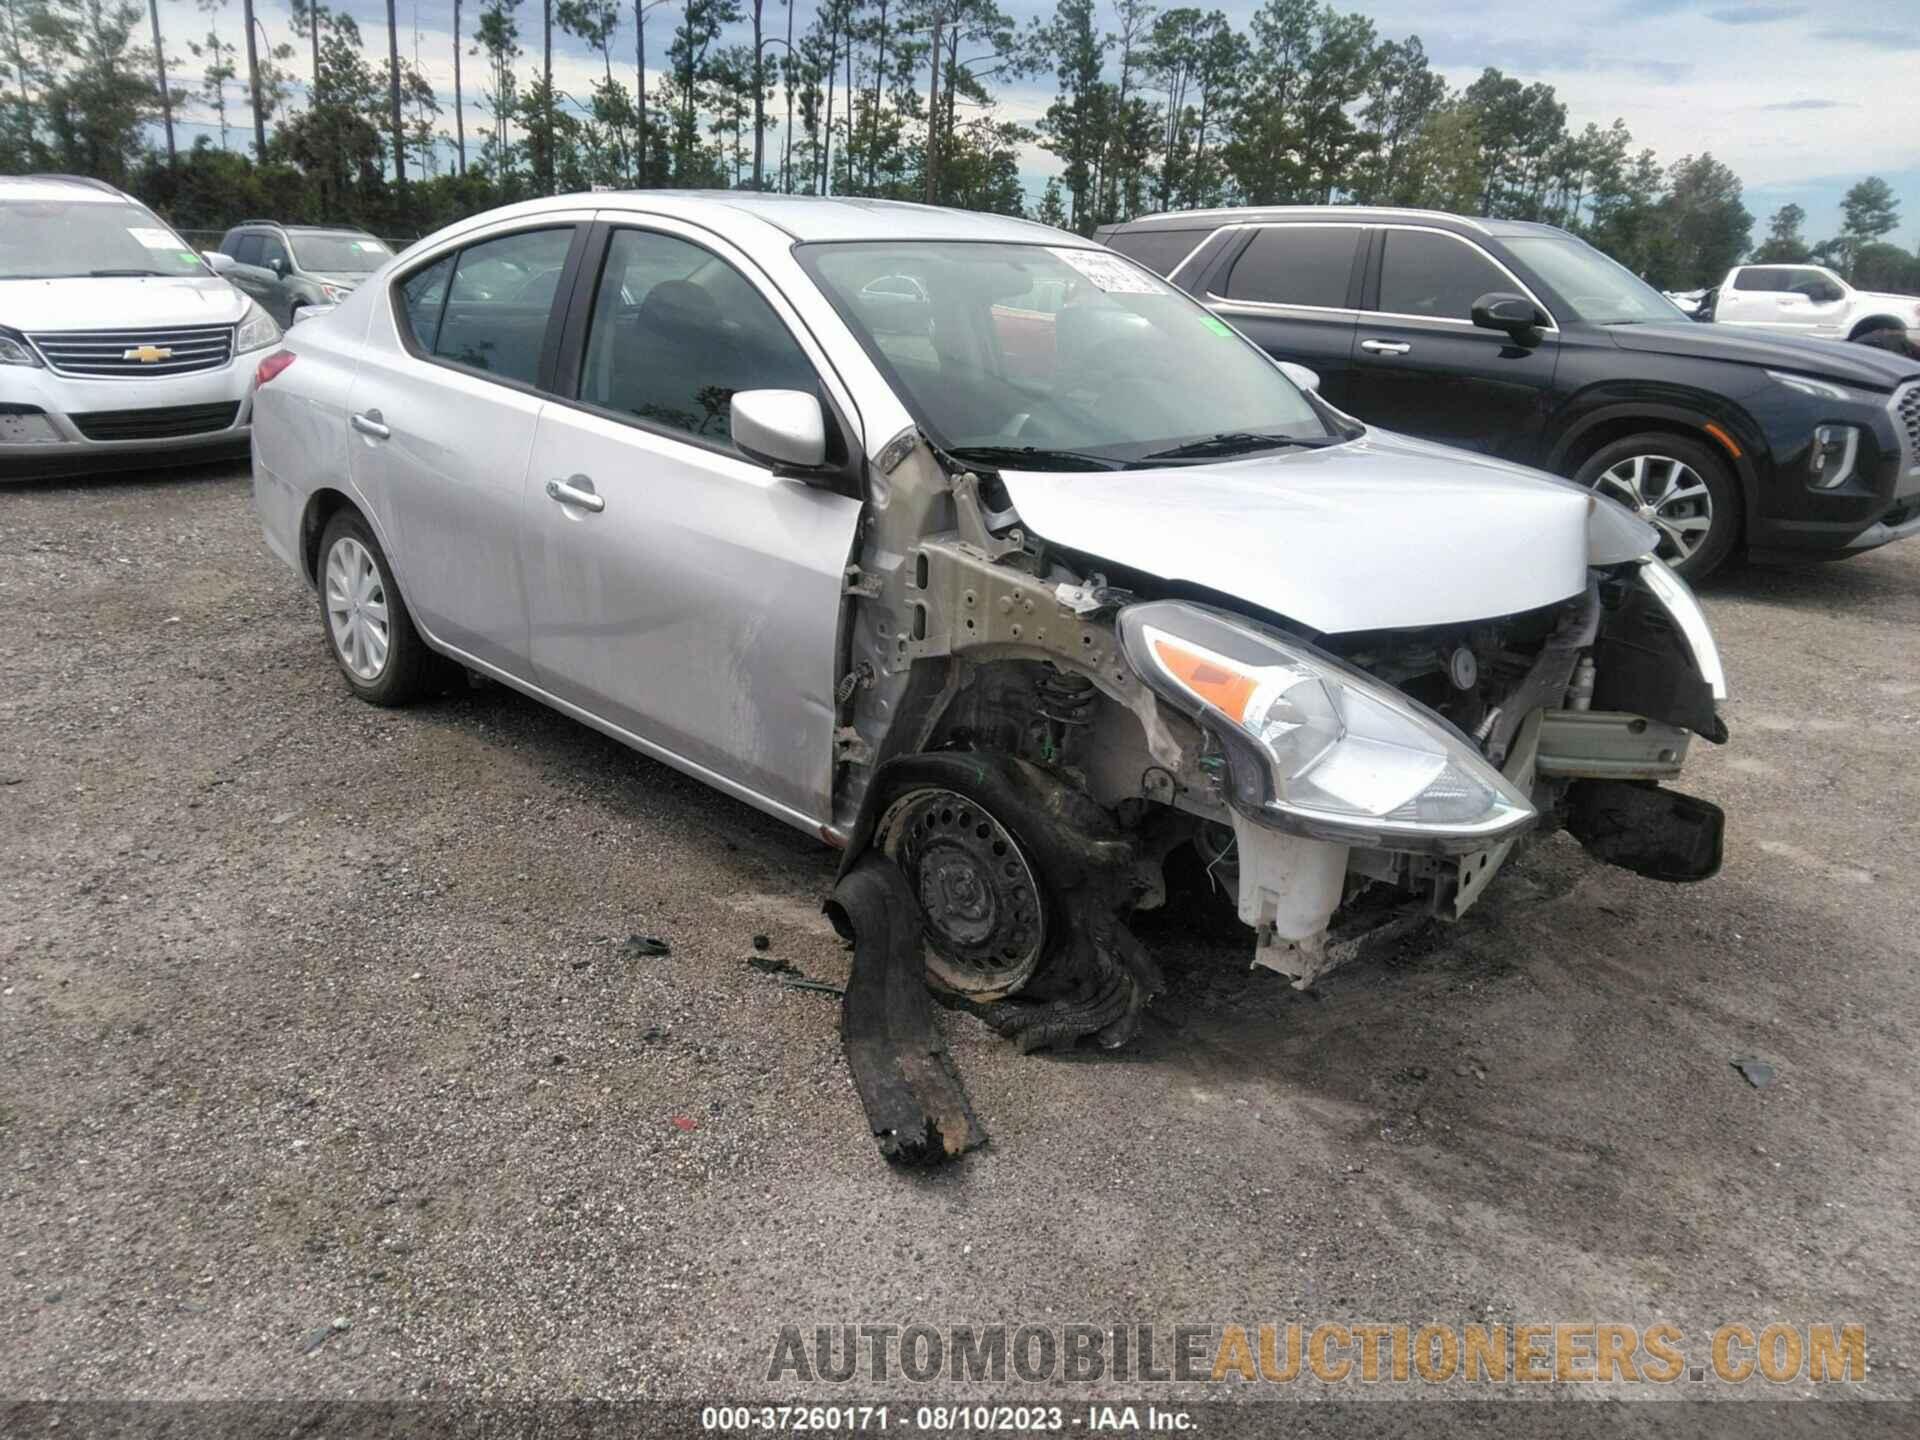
(315, 1013)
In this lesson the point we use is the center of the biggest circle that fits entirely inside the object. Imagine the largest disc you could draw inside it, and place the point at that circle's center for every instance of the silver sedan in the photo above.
(990, 557)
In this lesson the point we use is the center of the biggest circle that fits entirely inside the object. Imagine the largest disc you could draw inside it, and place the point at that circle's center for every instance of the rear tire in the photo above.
(1675, 484)
(368, 629)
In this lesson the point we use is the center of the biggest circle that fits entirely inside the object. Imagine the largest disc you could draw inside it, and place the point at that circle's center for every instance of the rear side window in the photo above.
(496, 304)
(1760, 280)
(422, 294)
(1159, 250)
(1296, 265)
(677, 332)
(1435, 276)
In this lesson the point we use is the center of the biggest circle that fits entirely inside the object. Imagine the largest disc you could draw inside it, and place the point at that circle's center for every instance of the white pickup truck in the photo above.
(1810, 300)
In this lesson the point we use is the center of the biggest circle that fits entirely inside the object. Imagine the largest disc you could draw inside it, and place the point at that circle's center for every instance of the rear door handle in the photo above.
(576, 490)
(1385, 347)
(368, 422)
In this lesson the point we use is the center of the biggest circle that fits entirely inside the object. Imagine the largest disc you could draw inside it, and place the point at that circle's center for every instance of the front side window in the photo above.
(1055, 357)
(1434, 276)
(1593, 287)
(677, 332)
(273, 248)
(68, 239)
(340, 254)
(497, 303)
(246, 248)
(1296, 265)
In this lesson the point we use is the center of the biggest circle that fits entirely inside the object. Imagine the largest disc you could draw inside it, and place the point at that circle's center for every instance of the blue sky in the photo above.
(1800, 102)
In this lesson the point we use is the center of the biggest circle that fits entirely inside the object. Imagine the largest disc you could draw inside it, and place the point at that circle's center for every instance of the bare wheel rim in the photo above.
(357, 609)
(1669, 495)
(981, 903)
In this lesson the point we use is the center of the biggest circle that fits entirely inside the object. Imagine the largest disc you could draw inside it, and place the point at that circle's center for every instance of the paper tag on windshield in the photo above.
(1109, 273)
(153, 239)
(372, 247)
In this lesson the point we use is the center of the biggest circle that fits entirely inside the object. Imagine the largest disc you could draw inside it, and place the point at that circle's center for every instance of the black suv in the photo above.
(1524, 342)
(286, 267)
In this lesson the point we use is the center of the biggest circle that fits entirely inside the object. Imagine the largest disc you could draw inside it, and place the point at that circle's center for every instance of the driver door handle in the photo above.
(369, 422)
(1385, 347)
(576, 490)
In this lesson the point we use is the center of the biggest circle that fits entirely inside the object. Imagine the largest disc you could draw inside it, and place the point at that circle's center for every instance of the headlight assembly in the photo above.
(256, 332)
(1319, 748)
(14, 349)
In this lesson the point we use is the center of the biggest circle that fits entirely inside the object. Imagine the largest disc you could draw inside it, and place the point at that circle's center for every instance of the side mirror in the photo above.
(1518, 316)
(1300, 375)
(781, 428)
(218, 261)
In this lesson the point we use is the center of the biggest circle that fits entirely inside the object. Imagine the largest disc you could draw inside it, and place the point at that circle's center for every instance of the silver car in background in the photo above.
(975, 549)
(118, 345)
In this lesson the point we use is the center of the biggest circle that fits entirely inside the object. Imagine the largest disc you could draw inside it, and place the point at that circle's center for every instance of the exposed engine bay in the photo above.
(1026, 736)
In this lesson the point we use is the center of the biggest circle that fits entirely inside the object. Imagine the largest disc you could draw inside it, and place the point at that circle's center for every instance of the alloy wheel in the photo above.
(357, 609)
(1669, 495)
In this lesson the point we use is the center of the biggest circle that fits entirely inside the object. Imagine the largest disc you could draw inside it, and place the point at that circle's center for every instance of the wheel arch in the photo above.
(1615, 422)
(321, 507)
(1876, 322)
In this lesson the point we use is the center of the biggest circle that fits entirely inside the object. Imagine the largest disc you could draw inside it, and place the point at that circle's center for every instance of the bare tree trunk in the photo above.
(459, 105)
(823, 182)
(166, 96)
(759, 98)
(786, 146)
(933, 109)
(253, 85)
(879, 81)
(393, 78)
(640, 80)
(313, 35)
(546, 100)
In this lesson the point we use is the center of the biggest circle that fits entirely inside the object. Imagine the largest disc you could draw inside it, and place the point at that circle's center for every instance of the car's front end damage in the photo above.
(1030, 730)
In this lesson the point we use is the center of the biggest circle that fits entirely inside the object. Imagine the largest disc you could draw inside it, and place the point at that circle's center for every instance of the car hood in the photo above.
(119, 302)
(1383, 532)
(1905, 303)
(1830, 359)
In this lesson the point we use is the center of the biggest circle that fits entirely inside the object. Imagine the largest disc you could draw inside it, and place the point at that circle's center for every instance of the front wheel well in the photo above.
(1591, 441)
(322, 506)
(1873, 323)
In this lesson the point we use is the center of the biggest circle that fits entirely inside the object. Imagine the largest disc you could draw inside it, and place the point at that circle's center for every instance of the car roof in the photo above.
(802, 217)
(1351, 214)
(60, 187)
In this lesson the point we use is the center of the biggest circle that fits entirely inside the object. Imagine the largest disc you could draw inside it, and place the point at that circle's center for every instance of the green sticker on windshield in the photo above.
(1219, 327)
(188, 257)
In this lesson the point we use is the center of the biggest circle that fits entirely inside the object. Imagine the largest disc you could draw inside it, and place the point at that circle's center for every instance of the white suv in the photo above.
(1810, 300)
(118, 345)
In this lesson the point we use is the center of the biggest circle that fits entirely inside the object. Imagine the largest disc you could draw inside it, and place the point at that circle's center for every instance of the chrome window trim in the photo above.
(1257, 306)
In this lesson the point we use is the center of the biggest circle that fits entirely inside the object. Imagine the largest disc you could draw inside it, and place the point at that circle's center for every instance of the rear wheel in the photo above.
(1678, 486)
(371, 634)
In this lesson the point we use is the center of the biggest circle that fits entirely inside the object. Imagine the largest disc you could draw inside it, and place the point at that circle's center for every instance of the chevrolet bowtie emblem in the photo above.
(147, 354)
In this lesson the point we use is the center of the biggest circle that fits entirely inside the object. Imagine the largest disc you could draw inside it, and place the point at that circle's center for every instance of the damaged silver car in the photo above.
(989, 557)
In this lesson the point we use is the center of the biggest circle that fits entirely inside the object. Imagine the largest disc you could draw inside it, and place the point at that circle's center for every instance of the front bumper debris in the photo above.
(916, 1106)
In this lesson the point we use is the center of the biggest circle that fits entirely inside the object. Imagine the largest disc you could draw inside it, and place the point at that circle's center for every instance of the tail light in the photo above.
(272, 366)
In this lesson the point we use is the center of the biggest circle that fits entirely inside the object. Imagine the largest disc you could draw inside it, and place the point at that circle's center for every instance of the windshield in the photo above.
(51, 239)
(339, 254)
(1597, 290)
(1077, 356)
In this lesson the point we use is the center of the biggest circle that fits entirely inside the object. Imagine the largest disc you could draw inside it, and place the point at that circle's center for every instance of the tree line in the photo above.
(1152, 109)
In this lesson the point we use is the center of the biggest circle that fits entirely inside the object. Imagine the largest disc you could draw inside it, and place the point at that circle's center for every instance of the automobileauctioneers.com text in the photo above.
(1302, 1354)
